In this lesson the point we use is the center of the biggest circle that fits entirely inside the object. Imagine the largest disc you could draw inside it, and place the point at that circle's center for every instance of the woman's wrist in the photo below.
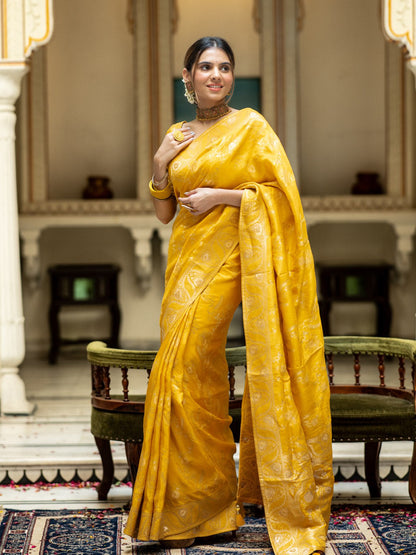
(161, 193)
(231, 197)
(160, 170)
(161, 183)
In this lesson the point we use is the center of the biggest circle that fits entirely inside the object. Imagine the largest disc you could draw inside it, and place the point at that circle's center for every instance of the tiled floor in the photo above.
(57, 438)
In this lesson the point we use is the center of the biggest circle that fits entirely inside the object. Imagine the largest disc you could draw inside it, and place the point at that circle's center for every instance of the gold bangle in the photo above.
(161, 194)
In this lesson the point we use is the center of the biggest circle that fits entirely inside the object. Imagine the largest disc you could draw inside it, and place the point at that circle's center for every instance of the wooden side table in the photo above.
(82, 285)
(355, 283)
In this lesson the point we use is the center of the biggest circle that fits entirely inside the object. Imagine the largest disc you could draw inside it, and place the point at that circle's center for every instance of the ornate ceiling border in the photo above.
(38, 23)
(24, 26)
(399, 18)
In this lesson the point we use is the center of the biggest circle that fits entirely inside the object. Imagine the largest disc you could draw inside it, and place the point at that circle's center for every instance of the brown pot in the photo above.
(367, 184)
(97, 188)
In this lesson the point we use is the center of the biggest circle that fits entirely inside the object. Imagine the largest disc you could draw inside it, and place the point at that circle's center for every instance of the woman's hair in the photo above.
(197, 48)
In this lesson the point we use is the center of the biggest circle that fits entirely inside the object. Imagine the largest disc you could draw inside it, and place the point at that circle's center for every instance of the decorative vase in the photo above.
(367, 184)
(97, 188)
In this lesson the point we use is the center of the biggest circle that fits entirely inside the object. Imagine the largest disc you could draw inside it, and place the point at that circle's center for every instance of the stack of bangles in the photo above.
(161, 194)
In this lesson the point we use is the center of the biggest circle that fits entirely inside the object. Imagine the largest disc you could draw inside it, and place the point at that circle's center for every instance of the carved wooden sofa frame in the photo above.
(373, 411)
(369, 411)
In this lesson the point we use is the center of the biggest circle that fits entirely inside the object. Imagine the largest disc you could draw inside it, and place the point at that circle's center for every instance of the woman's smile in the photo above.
(215, 88)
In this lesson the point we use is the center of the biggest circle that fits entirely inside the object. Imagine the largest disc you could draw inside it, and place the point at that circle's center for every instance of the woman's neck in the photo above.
(213, 112)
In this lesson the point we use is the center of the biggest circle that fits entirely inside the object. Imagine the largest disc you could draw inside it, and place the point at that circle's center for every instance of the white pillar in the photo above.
(404, 250)
(12, 345)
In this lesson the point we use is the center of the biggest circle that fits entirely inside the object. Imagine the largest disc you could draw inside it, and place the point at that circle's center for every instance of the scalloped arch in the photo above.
(399, 22)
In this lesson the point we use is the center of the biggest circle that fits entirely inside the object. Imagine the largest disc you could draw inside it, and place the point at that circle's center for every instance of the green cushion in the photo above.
(125, 426)
(355, 417)
(368, 406)
(365, 417)
(128, 426)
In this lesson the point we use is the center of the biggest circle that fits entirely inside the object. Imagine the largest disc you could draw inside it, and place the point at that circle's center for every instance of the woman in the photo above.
(239, 235)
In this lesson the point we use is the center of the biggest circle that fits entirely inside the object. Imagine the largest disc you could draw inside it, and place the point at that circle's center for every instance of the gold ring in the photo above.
(178, 135)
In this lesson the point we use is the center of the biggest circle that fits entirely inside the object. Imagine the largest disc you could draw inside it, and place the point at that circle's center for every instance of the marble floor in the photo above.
(55, 444)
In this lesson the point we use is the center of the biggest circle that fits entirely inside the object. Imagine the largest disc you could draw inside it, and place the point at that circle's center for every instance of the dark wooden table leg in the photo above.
(115, 325)
(384, 314)
(325, 309)
(54, 333)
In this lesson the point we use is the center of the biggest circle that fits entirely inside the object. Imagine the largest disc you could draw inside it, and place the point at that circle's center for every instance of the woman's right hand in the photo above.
(169, 148)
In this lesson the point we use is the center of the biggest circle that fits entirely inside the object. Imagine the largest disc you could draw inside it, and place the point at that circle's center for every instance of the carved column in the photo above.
(31, 257)
(404, 236)
(24, 25)
(399, 25)
(12, 346)
(153, 81)
(143, 252)
(278, 31)
(164, 234)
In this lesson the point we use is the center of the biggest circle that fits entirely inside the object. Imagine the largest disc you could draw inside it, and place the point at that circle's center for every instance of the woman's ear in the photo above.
(185, 75)
(189, 88)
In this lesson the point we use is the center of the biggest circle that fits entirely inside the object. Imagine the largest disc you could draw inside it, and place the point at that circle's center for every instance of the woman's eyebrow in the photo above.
(210, 63)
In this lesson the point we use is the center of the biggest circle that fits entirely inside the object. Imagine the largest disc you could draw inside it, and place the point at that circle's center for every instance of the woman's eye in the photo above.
(208, 67)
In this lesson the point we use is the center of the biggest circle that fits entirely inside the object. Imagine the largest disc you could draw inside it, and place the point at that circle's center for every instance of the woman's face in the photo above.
(212, 77)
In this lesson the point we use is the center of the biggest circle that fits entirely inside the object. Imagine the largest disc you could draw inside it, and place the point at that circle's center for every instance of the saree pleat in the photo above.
(260, 253)
(186, 483)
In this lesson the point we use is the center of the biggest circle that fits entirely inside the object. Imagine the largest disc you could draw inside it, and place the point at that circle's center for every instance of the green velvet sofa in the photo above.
(375, 403)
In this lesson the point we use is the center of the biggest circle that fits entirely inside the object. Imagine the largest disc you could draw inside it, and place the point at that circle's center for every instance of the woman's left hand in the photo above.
(199, 201)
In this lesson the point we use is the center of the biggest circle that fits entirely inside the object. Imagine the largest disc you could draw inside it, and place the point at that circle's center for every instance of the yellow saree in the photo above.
(186, 484)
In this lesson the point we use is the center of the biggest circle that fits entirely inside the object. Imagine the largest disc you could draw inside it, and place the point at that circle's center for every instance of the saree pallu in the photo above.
(186, 484)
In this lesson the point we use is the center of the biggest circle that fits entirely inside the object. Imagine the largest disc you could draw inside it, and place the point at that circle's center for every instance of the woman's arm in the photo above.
(165, 209)
(203, 199)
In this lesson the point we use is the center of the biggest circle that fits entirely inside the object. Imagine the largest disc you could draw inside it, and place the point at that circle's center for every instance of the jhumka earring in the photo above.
(189, 92)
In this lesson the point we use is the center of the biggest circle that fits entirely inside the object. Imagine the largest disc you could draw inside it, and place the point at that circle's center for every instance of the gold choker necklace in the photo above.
(206, 114)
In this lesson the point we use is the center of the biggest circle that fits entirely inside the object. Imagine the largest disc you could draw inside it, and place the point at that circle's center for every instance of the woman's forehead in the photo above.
(213, 53)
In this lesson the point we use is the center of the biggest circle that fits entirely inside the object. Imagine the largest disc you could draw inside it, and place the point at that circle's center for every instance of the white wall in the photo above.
(342, 101)
(90, 98)
(230, 19)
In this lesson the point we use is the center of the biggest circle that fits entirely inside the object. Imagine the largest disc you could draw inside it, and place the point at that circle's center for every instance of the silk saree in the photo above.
(259, 254)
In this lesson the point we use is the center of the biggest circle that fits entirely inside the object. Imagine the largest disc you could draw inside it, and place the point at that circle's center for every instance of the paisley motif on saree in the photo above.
(186, 483)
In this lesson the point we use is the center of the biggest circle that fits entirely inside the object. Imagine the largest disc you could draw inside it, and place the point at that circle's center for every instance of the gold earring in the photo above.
(189, 92)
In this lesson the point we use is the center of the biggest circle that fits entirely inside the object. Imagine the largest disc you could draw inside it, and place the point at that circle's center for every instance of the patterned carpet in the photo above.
(354, 530)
